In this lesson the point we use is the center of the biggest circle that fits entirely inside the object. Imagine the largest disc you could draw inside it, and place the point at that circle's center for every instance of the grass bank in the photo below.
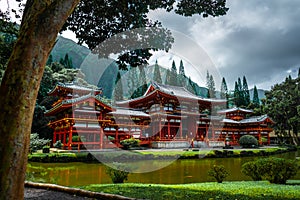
(248, 190)
(118, 155)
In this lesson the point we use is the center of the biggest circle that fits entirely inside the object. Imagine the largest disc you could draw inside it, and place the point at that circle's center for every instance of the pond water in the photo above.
(180, 171)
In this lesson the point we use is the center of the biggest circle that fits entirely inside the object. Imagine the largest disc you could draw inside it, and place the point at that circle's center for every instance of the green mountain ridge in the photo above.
(75, 51)
(104, 73)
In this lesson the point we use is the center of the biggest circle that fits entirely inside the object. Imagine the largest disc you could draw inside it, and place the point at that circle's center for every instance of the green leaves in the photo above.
(275, 170)
(218, 172)
(94, 22)
(248, 141)
(282, 105)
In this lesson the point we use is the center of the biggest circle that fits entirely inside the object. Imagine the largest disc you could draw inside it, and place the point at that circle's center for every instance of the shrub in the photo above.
(119, 174)
(277, 170)
(58, 144)
(46, 149)
(248, 141)
(36, 142)
(130, 143)
(251, 169)
(218, 172)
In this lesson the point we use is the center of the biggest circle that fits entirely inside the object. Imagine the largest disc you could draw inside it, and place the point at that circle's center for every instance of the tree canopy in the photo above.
(282, 104)
(93, 22)
(41, 22)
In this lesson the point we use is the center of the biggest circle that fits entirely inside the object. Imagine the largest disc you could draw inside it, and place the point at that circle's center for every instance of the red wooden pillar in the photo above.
(269, 142)
(159, 121)
(59, 135)
(64, 134)
(70, 137)
(54, 136)
(129, 128)
(213, 133)
(169, 129)
(180, 129)
(233, 137)
(259, 136)
(206, 130)
(101, 137)
(117, 137)
(196, 130)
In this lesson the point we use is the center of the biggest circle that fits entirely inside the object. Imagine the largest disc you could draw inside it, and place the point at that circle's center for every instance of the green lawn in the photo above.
(248, 190)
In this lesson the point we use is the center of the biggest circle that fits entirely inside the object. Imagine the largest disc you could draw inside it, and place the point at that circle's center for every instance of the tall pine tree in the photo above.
(172, 76)
(224, 89)
(236, 94)
(118, 91)
(255, 98)
(132, 82)
(156, 75)
(246, 93)
(240, 98)
(210, 84)
(182, 79)
(181, 68)
(142, 82)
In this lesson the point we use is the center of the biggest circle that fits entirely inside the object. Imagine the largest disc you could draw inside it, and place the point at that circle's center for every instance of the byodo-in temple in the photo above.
(164, 117)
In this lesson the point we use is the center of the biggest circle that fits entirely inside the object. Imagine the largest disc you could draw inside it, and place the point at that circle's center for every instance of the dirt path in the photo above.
(44, 194)
(44, 191)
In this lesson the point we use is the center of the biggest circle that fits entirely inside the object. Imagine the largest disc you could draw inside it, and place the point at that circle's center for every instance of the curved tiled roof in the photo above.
(235, 109)
(73, 86)
(175, 91)
(128, 112)
(256, 119)
(70, 102)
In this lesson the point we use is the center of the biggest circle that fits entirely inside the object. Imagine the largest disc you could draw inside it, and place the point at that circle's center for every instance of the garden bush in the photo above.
(247, 141)
(46, 149)
(218, 172)
(275, 170)
(251, 169)
(36, 142)
(58, 144)
(130, 143)
(118, 174)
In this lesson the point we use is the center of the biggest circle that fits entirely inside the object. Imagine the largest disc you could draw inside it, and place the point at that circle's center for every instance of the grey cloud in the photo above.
(257, 38)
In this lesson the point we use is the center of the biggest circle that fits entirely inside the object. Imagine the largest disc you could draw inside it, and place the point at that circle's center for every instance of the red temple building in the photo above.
(164, 117)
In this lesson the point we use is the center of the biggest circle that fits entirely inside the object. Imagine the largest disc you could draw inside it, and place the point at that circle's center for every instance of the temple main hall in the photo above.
(164, 117)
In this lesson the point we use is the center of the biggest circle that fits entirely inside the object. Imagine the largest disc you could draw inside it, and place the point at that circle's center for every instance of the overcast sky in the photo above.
(257, 38)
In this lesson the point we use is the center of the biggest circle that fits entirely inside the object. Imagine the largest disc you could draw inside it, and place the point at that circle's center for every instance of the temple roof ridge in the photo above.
(75, 100)
(181, 92)
(235, 109)
(128, 111)
(74, 86)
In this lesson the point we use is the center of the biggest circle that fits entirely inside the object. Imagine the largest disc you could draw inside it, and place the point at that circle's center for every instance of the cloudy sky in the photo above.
(259, 39)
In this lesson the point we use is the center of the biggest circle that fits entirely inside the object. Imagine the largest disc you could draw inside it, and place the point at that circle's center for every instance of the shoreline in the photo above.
(154, 154)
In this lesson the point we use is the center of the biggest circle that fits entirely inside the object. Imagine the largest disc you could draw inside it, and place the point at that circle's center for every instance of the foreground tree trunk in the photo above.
(41, 22)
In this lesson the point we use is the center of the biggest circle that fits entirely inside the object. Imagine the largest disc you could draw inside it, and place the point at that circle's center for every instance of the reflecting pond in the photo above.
(180, 171)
